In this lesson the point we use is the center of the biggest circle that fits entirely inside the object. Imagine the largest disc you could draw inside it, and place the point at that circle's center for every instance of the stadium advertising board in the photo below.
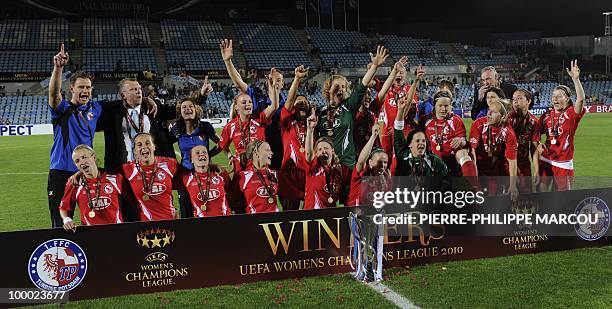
(26, 129)
(146, 257)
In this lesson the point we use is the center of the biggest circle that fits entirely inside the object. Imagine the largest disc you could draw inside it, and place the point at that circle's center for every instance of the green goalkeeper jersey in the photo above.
(338, 124)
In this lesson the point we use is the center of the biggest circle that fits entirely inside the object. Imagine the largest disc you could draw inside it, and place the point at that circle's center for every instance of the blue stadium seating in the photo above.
(105, 60)
(283, 61)
(406, 45)
(115, 32)
(26, 61)
(336, 41)
(191, 34)
(194, 61)
(263, 37)
(505, 59)
(33, 34)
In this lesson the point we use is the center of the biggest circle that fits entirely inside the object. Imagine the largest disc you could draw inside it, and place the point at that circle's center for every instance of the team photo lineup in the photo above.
(325, 152)
(244, 154)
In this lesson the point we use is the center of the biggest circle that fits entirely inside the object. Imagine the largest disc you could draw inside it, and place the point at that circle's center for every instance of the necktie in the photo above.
(135, 120)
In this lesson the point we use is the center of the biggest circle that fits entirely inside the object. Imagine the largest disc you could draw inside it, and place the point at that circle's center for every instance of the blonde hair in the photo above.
(325, 139)
(327, 87)
(82, 147)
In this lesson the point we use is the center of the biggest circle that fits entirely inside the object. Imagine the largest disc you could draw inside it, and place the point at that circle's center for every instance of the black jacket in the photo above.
(477, 106)
(111, 121)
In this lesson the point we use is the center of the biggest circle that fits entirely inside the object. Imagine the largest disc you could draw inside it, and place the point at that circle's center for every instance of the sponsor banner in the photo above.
(115, 75)
(26, 129)
(598, 108)
(147, 257)
(211, 74)
(33, 76)
(217, 123)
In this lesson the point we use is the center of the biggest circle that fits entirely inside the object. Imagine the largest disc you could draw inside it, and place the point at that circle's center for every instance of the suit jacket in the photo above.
(508, 90)
(115, 153)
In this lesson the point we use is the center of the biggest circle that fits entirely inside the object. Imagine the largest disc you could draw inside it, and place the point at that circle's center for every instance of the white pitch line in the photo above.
(392, 296)
(28, 173)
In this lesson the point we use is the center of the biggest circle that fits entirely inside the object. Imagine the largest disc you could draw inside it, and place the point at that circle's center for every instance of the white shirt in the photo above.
(126, 129)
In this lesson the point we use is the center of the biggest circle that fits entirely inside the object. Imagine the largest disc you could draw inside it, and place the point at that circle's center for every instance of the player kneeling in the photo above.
(96, 194)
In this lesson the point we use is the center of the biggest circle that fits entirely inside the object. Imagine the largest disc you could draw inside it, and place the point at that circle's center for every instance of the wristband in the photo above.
(398, 124)
(67, 219)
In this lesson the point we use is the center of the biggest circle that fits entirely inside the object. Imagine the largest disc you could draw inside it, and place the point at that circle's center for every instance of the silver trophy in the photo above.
(366, 257)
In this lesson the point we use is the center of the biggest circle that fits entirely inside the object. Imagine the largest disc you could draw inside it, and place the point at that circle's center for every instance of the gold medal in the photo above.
(145, 197)
(203, 207)
(302, 149)
(553, 141)
(330, 199)
(438, 147)
(330, 133)
(271, 200)
(92, 214)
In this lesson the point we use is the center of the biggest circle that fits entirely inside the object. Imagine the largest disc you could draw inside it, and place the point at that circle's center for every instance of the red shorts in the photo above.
(562, 177)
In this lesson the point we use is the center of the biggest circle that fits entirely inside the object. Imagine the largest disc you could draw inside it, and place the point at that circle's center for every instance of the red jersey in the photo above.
(561, 153)
(105, 208)
(260, 189)
(440, 132)
(527, 130)
(499, 142)
(321, 184)
(211, 185)
(361, 190)
(390, 106)
(293, 134)
(153, 192)
(242, 133)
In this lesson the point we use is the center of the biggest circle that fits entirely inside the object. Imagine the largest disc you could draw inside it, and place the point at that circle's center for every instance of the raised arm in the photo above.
(377, 61)
(55, 85)
(367, 149)
(415, 84)
(389, 81)
(274, 89)
(300, 72)
(574, 73)
(400, 146)
(311, 125)
(227, 52)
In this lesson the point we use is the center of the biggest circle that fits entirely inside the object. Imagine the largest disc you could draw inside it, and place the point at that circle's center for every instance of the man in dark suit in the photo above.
(122, 121)
(488, 78)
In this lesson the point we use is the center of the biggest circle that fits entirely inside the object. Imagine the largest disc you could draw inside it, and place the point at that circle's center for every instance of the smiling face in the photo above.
(491, 96)
(367, 99)
(144, 149)
(338, 92)
(494, 115)
(324, 152)
(560, 100)
(188, 110)
(418, 145)
(81, 91)
(520, 103)
(199, 158)
(85, 161)
(378, 163)
(131, 93)
(443, 107)
(244, 105)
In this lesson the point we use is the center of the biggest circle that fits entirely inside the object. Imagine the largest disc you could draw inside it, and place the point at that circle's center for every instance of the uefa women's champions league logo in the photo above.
(57, 265)
(593, 206)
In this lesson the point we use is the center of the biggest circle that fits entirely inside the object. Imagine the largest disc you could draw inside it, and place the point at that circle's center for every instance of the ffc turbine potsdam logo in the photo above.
(57, 265)
(593, 206)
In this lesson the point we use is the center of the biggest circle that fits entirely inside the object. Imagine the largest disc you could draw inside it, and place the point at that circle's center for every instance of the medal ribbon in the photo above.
(203, 194)
(147, 184)
(97, 185)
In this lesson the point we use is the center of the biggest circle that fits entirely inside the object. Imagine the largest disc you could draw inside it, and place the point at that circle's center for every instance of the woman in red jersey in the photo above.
(559, 124)
(371, 172)
(447, 135)
(324, 174)
(494, 145)
(243, 129)
(150, 178)
(206, 185)
(292, 176)
(257, 182)
(96, 193)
